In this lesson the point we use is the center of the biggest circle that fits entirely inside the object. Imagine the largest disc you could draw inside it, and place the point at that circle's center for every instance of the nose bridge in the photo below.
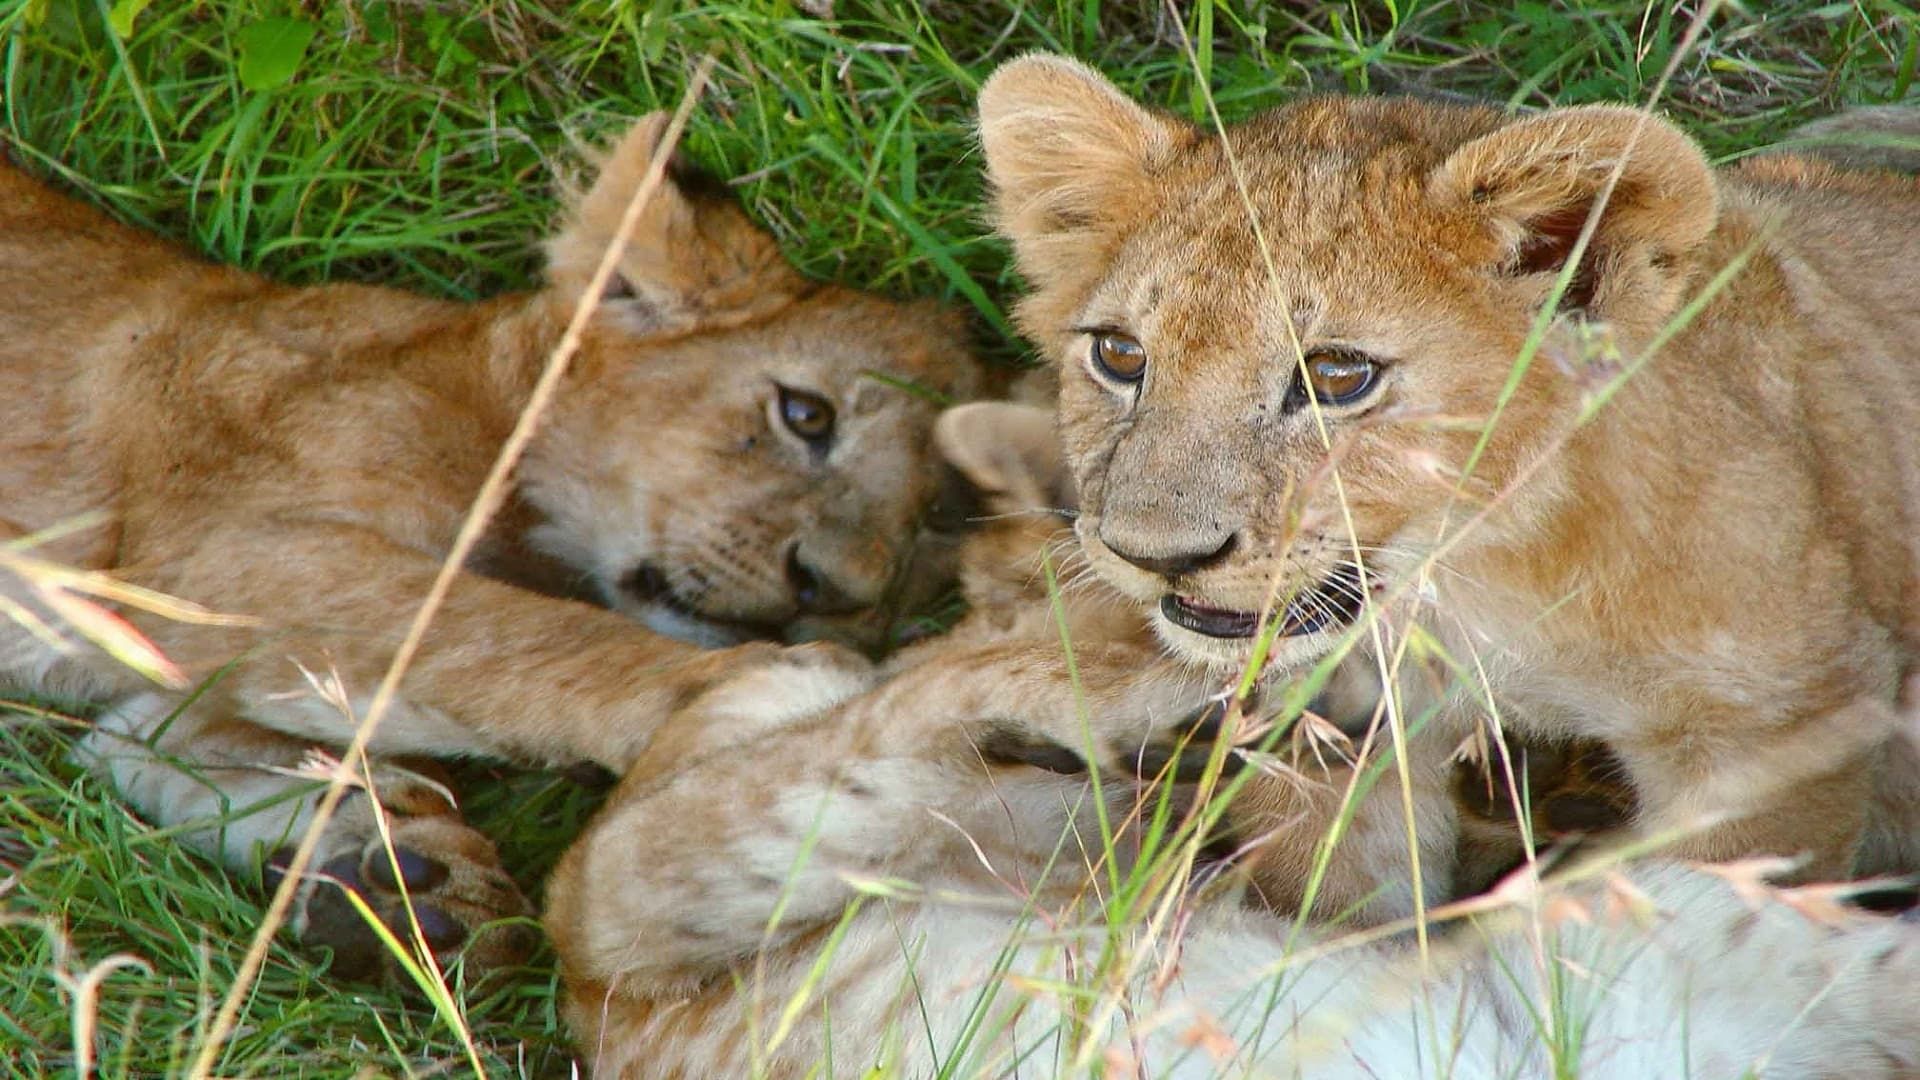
(850, 547)
(853, 565)
(1179, 481)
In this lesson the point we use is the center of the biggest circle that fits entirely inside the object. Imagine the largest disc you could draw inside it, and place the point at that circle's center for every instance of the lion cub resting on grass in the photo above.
(720, 460)
(1691, 530)
(908, 878)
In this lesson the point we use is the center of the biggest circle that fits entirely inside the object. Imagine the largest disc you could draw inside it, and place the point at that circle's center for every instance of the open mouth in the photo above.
(1332, 604)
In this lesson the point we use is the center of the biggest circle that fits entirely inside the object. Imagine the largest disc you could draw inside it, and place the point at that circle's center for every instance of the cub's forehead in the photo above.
(875, 352)
(1325, 170)
(1198, 277)
(1320, 204)
(1352, 142)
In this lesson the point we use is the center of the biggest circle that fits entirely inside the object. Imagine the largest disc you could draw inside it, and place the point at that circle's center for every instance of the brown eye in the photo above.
(807, 415)
(1340, 378)
(1119, 357)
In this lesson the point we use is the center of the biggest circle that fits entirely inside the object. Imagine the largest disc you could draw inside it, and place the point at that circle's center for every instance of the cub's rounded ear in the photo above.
(1536, 181)
(1009, 453)
(693, 261)
(1069, 158)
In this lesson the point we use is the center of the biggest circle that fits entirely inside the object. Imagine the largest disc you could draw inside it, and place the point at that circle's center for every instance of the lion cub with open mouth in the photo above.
(909, 873)
(1691, 528)
(734, 448)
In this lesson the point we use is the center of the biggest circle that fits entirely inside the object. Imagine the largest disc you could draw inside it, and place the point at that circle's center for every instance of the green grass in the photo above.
(415, 144)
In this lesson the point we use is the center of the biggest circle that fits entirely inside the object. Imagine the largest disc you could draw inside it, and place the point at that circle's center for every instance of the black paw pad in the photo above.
(418, 871)
(441, 930)
(344, 869)
(1005, 742)
(334, 921)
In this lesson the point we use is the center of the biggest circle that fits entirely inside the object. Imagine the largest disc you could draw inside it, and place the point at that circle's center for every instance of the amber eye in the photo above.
(1340, 378)
(807, 415)
(1119, 357)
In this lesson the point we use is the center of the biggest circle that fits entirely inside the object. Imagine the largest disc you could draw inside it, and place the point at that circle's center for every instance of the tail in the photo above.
(1865, 137)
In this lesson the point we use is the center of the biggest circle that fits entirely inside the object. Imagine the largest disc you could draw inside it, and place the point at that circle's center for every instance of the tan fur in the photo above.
(305, 456)
(1279, 821)
(728, 939)
(1717, 575)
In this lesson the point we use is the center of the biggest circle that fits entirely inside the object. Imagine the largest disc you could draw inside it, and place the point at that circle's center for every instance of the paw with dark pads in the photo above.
(416, 871)
(359, 952)
(440, 930)
(448, 874)
(330, 918)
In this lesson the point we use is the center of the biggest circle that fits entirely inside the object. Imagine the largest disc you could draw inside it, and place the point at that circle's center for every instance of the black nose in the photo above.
(1174, 564)
(815, 593)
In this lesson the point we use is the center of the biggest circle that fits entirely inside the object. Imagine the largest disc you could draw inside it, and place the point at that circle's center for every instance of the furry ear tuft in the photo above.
(1069, 156)
(1009, 453)
(694, 259)
(1536, 181)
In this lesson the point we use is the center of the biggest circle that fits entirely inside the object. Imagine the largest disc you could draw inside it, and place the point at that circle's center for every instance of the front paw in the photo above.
(747, 693)
(1125, 712)
(742, 670)
(781, 683)
(457, 890)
